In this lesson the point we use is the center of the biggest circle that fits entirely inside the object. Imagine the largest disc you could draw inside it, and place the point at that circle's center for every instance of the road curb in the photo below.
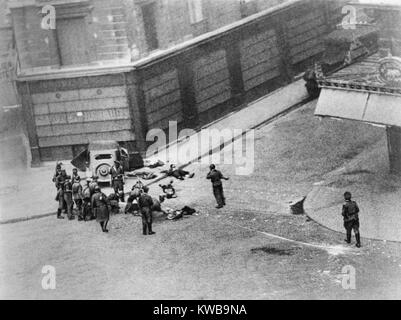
(198, 158)
(340, 232)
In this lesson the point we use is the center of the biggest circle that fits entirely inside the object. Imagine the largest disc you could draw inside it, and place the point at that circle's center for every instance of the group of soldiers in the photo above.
(70, 191)
(91, 203)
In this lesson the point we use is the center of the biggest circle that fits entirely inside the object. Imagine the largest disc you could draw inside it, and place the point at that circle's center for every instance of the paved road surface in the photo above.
(218, 254)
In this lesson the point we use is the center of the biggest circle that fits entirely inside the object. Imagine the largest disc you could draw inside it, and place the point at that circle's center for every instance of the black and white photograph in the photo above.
(191, 150)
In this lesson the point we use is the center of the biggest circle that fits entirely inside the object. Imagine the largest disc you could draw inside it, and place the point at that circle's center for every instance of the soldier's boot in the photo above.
(105, 227)
(150, 229)
(70, 214)
(59, 216)
(122, 197)
(144, 229)
(348, 239)
(85, 212)
(358, 240)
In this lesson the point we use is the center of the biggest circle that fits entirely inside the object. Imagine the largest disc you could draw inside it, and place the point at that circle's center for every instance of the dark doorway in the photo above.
(149, 23)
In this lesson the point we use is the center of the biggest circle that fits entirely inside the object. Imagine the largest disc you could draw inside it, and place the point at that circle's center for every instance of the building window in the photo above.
(149, 24)
(195, 11)
(72, 41)
(74, 45)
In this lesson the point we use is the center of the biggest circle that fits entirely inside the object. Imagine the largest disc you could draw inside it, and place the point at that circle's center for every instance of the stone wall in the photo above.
(193, 84)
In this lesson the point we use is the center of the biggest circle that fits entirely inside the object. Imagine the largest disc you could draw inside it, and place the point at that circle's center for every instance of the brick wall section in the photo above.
(163, 99)
(222, 12)
(212, 83)
(109, 29)
(205, 79)
(114, 27)
(69, 113)
(106, 27)
(7, 59)
(36, 46)
(306, 29)
(259, 58)
(173, 25)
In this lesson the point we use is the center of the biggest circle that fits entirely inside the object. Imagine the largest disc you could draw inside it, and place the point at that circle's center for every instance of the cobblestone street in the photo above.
(251, 249)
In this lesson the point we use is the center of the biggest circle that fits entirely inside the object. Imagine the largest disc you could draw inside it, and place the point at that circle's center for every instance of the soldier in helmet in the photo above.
(86, 197)
(93, 184)
(117, 179)
(77, 196)
(351, 219)
(61, 178)
(60, 200)
(57, 173)
(68, 198)
(75, 175)
(60, 185)
(145, 203)
(101, 207)
(215, 176)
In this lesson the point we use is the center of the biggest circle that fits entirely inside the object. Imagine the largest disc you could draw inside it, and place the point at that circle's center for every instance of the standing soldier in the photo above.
(68, 198)
(215, 176)
(61, 178)
(351, 218)
(60, 182)
(86, 195)
(101, 207)
(60, 199)
(75, 175)
(145, 203)
(57, 173)
(77, 196)
(117, 179)
(93, 184)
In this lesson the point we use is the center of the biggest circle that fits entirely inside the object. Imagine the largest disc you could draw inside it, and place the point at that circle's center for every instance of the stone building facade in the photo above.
(94, 78)
(117, 31)
(7, 59)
